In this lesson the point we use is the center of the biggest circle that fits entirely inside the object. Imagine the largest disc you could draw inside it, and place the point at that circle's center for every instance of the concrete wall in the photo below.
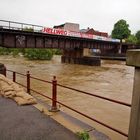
(133, 59)
(86, 52)
(71, 27)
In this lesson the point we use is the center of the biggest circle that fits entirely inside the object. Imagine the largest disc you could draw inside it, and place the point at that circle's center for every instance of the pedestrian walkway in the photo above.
(28, 123)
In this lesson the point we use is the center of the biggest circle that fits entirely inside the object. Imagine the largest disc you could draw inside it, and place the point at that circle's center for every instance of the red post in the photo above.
(54, 95)
(28, 82)
(14, 76)
(4, 71)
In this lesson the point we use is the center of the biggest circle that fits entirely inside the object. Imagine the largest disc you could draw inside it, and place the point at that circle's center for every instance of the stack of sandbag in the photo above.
(9, 89)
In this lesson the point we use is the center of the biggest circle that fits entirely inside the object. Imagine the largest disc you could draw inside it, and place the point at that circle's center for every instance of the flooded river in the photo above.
(113, 80)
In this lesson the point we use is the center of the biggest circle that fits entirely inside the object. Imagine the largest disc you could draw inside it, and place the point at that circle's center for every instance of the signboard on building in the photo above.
(77, 34)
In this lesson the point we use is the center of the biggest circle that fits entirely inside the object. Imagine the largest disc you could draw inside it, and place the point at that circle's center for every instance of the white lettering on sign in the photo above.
(54, 31)
(77, 34)
(74, 34)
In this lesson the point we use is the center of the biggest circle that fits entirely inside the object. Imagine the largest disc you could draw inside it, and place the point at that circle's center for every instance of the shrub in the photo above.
(83, 135)
(32, 54)
(38, 54)
(15, 52)
(4, 51)
(57, 51)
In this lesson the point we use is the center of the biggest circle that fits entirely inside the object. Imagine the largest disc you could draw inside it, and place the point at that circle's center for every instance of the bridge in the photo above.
(75, 45)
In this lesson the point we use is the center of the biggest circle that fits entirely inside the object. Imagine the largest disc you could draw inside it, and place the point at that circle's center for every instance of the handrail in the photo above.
(54, 99)
(87, 93)
(84, 92)
(22, 26)
(21, 23)
(17, 72)
(120, 132)
(40, 79)
(98, 96)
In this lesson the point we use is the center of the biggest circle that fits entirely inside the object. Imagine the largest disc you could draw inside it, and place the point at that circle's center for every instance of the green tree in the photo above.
(138, 37)
(132, 39)
(121, 31)
(29, 29)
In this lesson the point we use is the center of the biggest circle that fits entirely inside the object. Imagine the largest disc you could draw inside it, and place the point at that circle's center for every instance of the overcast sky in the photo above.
(98, 14)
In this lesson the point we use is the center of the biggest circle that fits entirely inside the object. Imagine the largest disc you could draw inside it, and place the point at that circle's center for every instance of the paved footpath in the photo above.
(28, 123)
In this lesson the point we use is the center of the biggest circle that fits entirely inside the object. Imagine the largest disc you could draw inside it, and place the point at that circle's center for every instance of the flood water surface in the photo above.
(113, 80)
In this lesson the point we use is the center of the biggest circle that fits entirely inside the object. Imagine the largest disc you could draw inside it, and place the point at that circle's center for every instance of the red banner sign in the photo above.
(76, 34)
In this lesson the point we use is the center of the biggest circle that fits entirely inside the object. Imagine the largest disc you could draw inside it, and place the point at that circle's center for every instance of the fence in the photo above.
(20, 26)
(54, 85)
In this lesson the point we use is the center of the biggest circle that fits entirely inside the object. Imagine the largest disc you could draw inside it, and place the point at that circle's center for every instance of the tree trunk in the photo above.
(120, 47)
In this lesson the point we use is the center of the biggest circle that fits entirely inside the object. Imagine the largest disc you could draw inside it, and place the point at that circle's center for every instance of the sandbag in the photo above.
(22, 101)
(9, 94)
(9, 89)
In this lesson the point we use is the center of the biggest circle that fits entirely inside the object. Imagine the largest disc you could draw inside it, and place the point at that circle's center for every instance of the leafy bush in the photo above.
(4, 51)
(13, 51)
(39, 54)
(57, 51)
(32, 54)
(83, 135)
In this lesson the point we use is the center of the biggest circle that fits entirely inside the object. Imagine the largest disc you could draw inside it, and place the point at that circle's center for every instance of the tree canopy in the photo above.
(132, 39)
(29, 29)
(121, 30)
(138, 37)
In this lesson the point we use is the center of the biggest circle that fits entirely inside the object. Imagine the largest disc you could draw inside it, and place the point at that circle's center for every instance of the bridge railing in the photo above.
(20, 26)
(54, 99)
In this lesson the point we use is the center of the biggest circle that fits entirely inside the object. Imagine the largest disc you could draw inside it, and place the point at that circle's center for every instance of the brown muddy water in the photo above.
(113, 80)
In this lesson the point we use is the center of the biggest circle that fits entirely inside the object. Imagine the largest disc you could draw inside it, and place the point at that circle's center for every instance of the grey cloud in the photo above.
(99, 14)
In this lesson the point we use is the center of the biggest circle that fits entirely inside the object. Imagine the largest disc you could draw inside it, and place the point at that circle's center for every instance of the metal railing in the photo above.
(54, 85)
(20, 26)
